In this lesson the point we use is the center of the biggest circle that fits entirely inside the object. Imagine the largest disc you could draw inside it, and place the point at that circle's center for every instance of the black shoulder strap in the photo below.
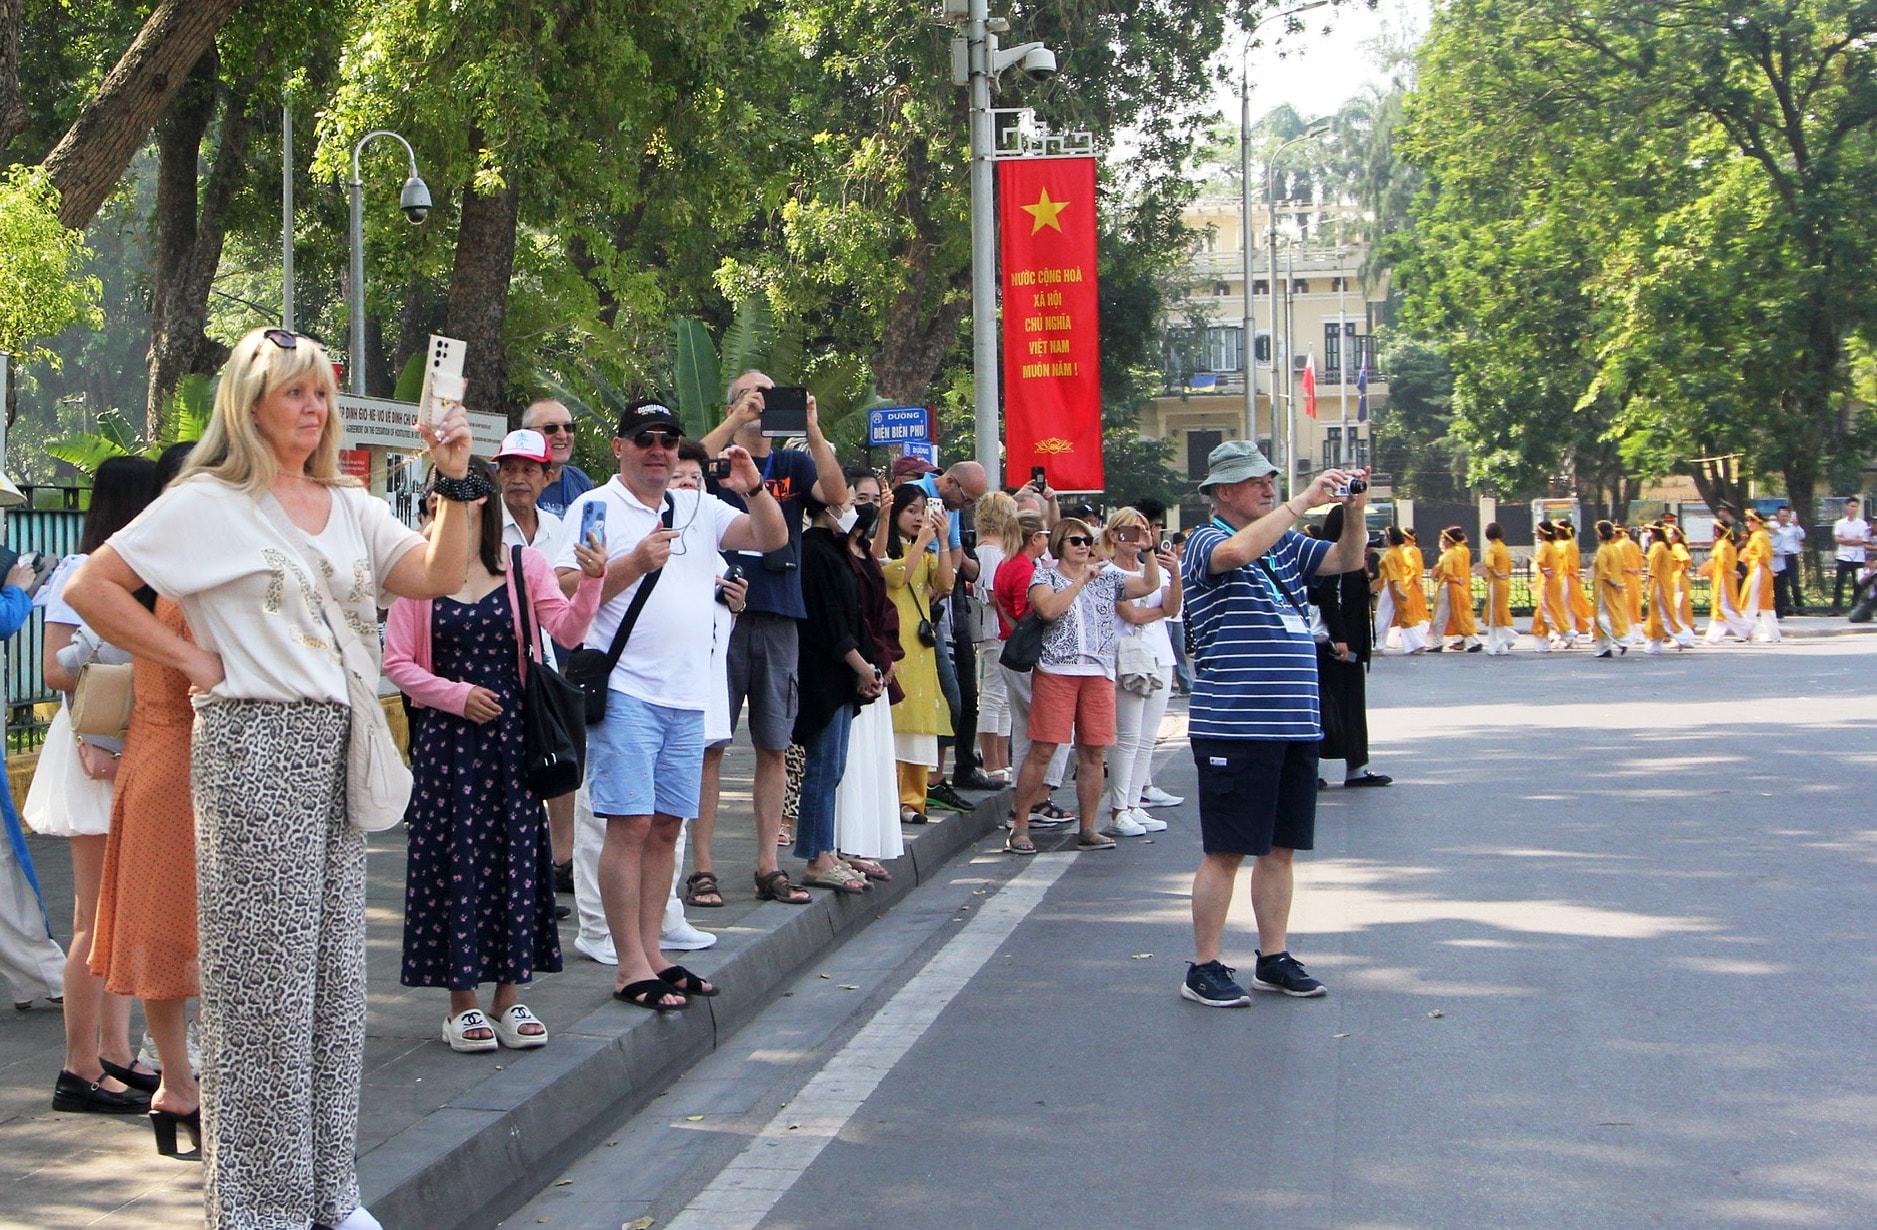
(526, 612)
(646, 586)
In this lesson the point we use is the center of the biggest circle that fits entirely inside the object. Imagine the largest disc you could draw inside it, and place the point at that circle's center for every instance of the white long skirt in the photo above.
(866, 804)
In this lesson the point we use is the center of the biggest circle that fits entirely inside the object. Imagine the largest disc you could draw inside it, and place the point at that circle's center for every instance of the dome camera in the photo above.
(415, 200)
(1039, 64)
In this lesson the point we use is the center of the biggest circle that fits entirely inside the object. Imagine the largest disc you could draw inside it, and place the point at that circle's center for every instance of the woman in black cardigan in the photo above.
(836, 675)
(1342, 603)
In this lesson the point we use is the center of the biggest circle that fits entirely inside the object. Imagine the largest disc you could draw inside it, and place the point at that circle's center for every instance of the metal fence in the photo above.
(55, 532)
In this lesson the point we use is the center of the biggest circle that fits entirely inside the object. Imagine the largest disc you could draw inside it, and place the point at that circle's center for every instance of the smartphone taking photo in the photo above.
(785, 411)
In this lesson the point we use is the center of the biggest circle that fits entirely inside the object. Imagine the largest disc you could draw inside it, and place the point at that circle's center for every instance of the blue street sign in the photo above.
(924, 450)
(895, 425)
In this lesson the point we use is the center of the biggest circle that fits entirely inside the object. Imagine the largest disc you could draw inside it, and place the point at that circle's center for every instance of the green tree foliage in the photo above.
(43, 286)
(1646, 235)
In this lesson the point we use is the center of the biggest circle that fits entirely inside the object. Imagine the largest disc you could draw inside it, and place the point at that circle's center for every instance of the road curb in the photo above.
(481, 1155)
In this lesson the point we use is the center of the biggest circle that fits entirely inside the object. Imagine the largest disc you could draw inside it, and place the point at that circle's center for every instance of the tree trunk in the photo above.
(485, 257)
(14, 118)
(94, 152)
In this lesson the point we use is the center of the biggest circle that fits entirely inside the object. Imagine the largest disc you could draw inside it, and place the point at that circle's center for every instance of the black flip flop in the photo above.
(686, 982)
(650, 993)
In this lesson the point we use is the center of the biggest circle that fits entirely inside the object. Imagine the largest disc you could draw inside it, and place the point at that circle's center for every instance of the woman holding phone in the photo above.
(1142, 622)
(914, 576)
(280, 870)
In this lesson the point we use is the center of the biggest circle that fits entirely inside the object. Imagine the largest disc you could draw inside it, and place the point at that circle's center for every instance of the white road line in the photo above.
(746, 1190)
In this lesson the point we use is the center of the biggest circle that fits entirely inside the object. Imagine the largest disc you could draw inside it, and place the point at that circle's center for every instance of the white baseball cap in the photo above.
(527, 443)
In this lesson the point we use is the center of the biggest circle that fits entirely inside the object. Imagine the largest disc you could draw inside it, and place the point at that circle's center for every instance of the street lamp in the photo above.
(984, 60)
(1248, 347)
(1270, 210)
(415, 202)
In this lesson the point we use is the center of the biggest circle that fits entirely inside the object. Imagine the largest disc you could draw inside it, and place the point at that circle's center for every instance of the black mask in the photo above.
(866, 516)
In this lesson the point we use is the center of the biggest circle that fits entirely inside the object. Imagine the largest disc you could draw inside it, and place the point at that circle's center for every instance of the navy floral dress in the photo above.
(478, 889)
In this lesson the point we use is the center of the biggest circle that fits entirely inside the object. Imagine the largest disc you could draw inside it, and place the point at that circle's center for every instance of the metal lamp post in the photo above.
(1270, 206)
(415, 201)
(1248, 348)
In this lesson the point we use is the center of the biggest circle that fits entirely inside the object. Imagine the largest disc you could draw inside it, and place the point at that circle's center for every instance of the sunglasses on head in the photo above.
(1079, 540)
(661, 439)
(287, 339)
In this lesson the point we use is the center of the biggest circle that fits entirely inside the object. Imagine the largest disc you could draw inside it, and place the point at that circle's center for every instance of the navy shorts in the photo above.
(1256, 794)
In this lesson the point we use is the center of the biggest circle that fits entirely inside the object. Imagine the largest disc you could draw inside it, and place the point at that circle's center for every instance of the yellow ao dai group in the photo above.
(1625, 582)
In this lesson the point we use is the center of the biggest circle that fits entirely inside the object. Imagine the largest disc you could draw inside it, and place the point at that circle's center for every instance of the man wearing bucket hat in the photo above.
(1253, 724)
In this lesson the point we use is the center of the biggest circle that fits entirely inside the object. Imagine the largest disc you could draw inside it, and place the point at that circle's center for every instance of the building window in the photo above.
(1300, 286)
(1260, 287)
(1193, 352)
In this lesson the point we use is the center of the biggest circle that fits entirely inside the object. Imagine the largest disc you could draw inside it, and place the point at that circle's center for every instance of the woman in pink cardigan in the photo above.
(479, 883)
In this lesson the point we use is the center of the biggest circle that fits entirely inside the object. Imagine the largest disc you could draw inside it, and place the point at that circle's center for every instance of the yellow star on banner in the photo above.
(1046, 212)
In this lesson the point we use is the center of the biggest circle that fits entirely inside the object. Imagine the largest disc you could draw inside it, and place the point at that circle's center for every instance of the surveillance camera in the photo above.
(1039, 64)
(415, 200)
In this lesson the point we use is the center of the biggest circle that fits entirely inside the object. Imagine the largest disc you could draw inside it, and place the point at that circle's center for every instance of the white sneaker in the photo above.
(600, 950)
(1154, 796)
(685, 938)
(1123, 825)
(361, 1220)
(1147, 820)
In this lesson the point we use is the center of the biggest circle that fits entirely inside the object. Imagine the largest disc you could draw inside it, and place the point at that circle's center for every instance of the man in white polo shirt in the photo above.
(522, 465)
(1850, 532)
(645, 758)
(1253, 723)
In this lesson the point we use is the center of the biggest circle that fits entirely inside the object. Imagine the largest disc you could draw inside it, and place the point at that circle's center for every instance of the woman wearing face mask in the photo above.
(866, 806)
(837, 677)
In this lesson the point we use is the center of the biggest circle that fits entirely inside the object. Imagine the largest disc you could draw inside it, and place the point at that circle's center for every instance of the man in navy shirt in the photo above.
(763, 653)
(569, 481)
(1253, 720)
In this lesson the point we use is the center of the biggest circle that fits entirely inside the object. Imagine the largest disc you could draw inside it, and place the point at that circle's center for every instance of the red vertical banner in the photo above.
(1052, 342)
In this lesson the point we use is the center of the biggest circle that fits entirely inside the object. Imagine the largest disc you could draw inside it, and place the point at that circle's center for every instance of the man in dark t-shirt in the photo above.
(762, 661)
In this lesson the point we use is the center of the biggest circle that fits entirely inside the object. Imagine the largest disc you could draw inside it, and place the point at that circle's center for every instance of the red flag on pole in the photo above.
(1052, 360)
(1310, 386)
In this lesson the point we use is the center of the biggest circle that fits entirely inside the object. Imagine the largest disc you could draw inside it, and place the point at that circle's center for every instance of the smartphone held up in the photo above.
(444, 385)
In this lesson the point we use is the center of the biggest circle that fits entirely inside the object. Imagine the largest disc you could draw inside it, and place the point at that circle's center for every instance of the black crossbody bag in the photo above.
(589, 669)
(553, 711)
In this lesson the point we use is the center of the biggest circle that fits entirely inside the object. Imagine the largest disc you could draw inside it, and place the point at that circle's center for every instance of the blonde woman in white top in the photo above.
(1143, 622)
(996, 524)
(281, 872)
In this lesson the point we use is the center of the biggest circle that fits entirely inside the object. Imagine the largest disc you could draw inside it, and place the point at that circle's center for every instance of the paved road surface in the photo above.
(1601, 959)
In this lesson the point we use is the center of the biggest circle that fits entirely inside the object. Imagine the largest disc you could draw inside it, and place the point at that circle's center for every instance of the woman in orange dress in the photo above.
(144, 943)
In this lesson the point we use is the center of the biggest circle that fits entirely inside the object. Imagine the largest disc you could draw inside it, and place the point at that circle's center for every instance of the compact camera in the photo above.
(717, 469)
(1355, 486)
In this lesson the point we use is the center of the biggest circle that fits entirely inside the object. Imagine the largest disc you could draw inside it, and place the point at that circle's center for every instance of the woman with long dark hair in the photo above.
(914, 577)
(71, 797)
(1342, 603)
(479, 883)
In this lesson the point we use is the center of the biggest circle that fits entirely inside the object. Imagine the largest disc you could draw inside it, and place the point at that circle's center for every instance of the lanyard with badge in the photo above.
(1290, 611)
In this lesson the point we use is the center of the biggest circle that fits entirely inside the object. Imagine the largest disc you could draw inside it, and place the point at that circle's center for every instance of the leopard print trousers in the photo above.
(282, 918)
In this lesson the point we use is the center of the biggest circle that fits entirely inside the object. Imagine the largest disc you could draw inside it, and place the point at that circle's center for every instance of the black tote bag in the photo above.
(553, 712)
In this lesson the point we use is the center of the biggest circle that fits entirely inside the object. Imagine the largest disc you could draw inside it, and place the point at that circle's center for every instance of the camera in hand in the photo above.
(732, 572)
(717, 469)
(785, 411)
(1355, 486)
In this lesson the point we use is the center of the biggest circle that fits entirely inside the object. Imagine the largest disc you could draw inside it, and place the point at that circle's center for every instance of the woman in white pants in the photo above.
(996, 526)
(1137, 715)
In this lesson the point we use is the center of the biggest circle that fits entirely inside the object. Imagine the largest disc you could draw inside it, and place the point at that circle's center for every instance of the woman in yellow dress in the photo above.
(1664, 622)
(1684, 575)
(913, 576)
(1725, 619)
(1453, 608)
(1401, 586)
(1497, 568)
(1632, 577)
(1576, 601)
(1606, 578)
(1551, 622)
(1756, 592)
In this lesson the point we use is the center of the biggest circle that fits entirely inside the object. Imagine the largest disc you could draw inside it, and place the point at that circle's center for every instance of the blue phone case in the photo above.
(593, 517)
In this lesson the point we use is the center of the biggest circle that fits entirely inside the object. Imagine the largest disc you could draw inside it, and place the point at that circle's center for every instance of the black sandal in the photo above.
(686, 982)
(775, 886)
(702, 884)
(651, 993)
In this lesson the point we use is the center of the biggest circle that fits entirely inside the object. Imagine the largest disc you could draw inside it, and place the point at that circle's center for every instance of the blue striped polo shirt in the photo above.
(1253, 678)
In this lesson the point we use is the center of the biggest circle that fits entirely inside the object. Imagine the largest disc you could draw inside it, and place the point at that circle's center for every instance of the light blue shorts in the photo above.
(645, 759)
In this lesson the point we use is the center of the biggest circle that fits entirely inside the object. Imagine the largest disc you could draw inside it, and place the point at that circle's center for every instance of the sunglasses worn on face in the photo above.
(555, 429)
(1079, 540)
(661, 439)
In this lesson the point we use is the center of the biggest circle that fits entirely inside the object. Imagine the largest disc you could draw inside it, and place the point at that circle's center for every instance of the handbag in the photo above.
(553, 711)
(927, 636)
(1024, 646)
(1136, 668)
(102, 700)
(98, 763)
(591, 669)
(377, 781)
